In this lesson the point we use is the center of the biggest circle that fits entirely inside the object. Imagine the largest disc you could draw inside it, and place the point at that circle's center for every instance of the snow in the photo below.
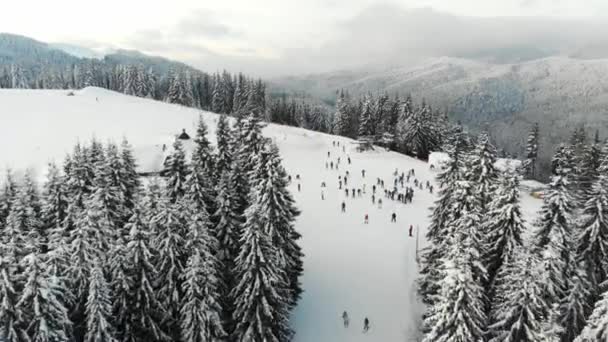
(366, 269)
(438, 159)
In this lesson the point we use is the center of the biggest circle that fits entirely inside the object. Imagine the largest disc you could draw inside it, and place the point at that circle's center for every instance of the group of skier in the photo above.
(346, 321)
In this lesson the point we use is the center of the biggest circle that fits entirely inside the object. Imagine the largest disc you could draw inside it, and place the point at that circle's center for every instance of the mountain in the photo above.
(560, 93)
(368, 270)
(78, 51)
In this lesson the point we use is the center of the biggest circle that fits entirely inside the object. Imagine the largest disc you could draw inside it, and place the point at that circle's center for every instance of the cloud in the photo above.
(378, 36)
(203, 23)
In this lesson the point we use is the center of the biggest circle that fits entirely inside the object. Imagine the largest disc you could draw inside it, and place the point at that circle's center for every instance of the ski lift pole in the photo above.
(417, 253)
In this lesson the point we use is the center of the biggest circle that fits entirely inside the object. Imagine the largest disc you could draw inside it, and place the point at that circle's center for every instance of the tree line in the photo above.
(482, 279)
(208, 252)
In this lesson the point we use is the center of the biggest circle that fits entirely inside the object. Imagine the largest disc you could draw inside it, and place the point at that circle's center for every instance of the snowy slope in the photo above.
(368, 270)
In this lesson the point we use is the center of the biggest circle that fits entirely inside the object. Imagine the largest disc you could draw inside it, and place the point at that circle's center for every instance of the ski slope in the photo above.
(366, 269)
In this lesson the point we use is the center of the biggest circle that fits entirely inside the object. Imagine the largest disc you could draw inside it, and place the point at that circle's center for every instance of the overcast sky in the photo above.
(278, 37)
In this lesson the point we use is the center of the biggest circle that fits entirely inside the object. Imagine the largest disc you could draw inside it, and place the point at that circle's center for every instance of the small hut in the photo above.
(183, 135)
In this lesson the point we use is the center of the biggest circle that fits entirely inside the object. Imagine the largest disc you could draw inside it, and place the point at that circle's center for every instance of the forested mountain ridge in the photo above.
(560, 93)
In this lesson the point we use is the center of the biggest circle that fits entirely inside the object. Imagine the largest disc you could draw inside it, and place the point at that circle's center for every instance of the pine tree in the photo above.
(99, 308)
(418, 138)
(224, 156)
(596, 328)
(366, 121)
(55, 201)
(518, 308)
(170, 228)
(9, 191)
(202, 157)
(278, 217)
(438, 231)
(145, 314)
(458, 314)
(176, 172)
(260, 304)
(129, 179)
(252, 143)
(505, 225)
(45, 317)
(553, 238)
(341, 119)
(10, 317)
(531, 152)
(200, 312)
(593, 238)
(574, 307)
(23, 224)
(481, 170)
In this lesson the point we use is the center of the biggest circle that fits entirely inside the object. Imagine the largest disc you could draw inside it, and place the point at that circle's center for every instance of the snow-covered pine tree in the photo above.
(590, 163)
(176, 172)
(202, 157)
(279, 213)
(438, 230)
(531, 152)
(99, 308)
(42, 304)
(237, 99)
(553, 235)
(366, 129)
(23, 225)
(228, 227)
(107, 191)
(130, 183)
(145, 314)
(170, 227)
(201, 309)
(252, 143)
(418, 138)
(217, 99)
(574, 307)
(224, 157)
(481, 170)
(504, 226)
(54, 200)
(341, 125)
(596, 328)
(10, 317)
(261, 307)
(518, 308)
(458, 314)
(7, 196)
(120, 288)
(593, 238)
(90, 238)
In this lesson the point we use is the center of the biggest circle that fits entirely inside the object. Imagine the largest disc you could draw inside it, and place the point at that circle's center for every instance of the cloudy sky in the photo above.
(280, 37)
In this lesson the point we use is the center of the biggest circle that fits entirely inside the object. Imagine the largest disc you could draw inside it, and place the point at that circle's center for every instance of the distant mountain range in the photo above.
(560, 93)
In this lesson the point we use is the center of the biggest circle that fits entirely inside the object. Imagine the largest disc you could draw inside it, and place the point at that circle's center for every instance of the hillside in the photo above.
(558, 92)
(366, 269)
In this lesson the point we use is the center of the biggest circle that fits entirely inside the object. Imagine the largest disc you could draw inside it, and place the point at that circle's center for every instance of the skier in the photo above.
(348, 160)
(373, 199)
(346, 191)
(289, 178)
(394, 217)
(328, 154)
(363, 173)
(380, 203)
(365, 325)
(298, 187)
(411, 229)
(343, 207)
(366, 221)
(431, 189)
(298, 177)
(322, 195)
(334, 143)
(345, 319)
(374, 189)
(323, 185)
(353, 192)
(332, 165)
